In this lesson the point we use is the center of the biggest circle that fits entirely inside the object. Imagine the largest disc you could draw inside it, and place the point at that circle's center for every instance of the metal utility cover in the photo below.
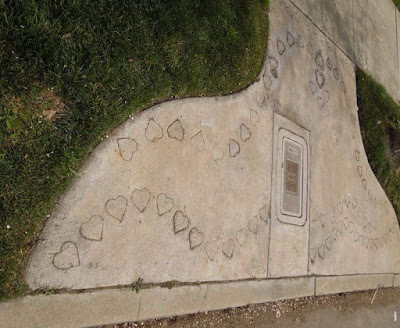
(291, 178)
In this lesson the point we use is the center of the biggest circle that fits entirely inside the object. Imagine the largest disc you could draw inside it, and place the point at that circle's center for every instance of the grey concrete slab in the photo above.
(396, 282)
(335, 18)
(340, 284)
(375, 42)
(176, 194)
(353, 227)
(348, 317)
(71, 310)
(350, 310)
(234, 294)
(164, 302)
(366, 30)
(123, 305)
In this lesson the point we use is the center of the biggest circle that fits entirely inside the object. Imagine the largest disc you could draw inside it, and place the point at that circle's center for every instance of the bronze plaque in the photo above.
(292, 173)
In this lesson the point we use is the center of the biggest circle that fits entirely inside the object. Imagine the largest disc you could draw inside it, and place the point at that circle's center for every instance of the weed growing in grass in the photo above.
(71, 71)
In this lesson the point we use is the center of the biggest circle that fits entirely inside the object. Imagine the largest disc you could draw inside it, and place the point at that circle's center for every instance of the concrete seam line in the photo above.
(315, 286)
(11, 311)
(271, 196)
(205, 297)
(324, 33)
(212, 282)
(139, 306)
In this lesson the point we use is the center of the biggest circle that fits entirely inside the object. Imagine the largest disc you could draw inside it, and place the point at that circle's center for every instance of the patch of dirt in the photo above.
(50, 103)
(261, 315)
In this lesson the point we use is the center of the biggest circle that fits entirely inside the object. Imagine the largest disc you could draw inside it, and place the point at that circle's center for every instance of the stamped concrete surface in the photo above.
(267, 183)
(366, 30)
(261, 195)
(180, 192)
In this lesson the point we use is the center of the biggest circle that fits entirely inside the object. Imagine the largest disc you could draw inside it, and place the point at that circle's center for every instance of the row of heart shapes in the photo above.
(196, 238)
(93, 229)
(68, 256)
(128, 146)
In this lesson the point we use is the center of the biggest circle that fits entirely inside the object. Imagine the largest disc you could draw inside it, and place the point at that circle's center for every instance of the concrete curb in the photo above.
(343, 284)
(396, 282)
(110, 306)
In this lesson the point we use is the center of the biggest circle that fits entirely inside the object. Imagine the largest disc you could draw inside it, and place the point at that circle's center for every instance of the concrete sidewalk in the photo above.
(368, 31)
(261, 195)
(353, 310)
(270, 182)
(113, 306)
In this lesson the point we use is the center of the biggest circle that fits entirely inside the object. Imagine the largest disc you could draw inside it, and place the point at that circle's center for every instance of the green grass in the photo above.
(379, 115)
(104, 60)
(397, 3)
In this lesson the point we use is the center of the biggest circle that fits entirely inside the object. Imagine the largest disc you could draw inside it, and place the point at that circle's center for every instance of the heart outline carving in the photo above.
(253, 224)
(116, 207)
(164, 204)
(265, 213)
(254, 117)
(180, 222)
(211, 249)
(141, 198)
(176, 131)
(67, 257)
(228, 248)
(241, 236)
(245, 132)
(198, 141)
(127, 147)
(196, 238)
(153, 130)
(234, 147)
(93, 229)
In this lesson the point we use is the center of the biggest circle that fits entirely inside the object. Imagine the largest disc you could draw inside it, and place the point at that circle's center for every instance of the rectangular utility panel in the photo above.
(288, 252)
(292, 178)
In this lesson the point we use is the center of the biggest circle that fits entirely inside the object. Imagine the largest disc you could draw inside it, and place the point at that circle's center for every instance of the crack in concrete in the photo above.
(204, 299)
(139, 307)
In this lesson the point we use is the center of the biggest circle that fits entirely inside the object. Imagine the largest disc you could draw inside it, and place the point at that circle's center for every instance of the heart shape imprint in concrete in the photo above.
(141, 198)
(92, 230)
(196, 238)
(181, 221)
(164, 204)
(117, 207)
(68, 256)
